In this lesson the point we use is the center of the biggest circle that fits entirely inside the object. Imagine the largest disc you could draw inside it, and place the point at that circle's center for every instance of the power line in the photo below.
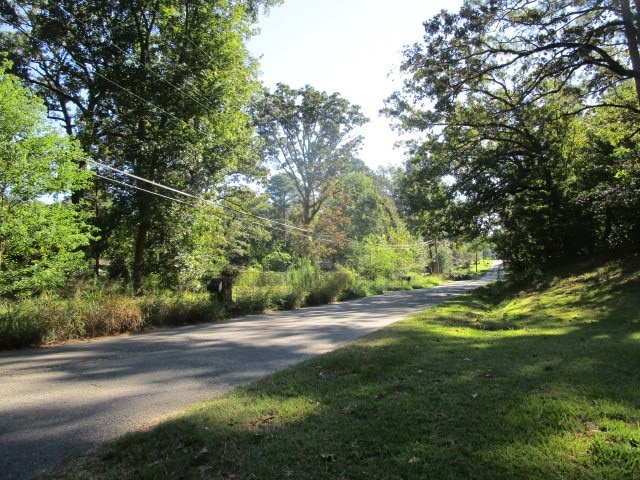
(142, 179)
(222, 215)
(219, 214)
(307, 233)
(304, 232)
(143, 190)
(179, 120)
(405, 246)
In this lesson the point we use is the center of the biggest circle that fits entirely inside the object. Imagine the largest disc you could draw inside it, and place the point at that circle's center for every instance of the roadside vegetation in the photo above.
(531, 380)
(140, 157)
(92, 308)
(85, 254)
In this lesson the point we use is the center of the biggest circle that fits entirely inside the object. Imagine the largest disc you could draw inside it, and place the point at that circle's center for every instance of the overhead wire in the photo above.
(143, 189)
(221, 214)
(406, 246)
(173, 116)
(267, 222)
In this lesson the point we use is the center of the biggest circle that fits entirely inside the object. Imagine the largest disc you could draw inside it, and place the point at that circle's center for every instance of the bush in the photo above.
(19, 330)
(184, 308)
(256, 291)
(331, 287)
(39, 242)
(386, 257)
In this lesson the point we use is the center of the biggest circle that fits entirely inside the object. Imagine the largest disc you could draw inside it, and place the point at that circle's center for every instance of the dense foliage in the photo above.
(528, 114)
(40, 230)
(156, 90)
(522, 114)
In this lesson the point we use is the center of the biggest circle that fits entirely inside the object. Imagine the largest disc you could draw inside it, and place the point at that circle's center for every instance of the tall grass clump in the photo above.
(303, 278)
(19, 328)
(334, 286)
(303, 284)
(256, 291)
(51, 318)
(166, 308)
(87, 313)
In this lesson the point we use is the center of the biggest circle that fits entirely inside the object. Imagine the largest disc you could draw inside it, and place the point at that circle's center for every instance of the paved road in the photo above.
(71, 398)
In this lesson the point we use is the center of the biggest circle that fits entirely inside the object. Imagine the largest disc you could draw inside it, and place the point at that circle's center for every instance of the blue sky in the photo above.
(353, 47)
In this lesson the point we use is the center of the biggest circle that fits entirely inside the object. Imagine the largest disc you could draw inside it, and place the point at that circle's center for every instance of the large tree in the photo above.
(308, 135)
(156, 89)
(499, 92)
(38, 241)
(502, 173)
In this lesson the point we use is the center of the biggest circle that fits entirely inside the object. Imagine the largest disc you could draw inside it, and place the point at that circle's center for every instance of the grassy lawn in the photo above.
(541, 382)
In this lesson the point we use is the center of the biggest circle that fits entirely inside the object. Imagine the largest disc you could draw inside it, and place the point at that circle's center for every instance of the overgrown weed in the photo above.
(87, 309)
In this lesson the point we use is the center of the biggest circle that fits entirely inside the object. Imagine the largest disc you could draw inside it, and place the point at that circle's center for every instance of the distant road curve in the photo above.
(72, 398)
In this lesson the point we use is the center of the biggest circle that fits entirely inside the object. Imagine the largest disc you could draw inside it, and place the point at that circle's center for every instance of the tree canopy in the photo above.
(308, 135)
(502, 92)
(157, 90)
(530, 47)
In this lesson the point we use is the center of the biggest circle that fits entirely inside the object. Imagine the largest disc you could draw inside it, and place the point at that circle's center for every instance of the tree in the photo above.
(495, 45)
(503, 172)
(282, 195)
(155, 89)
(500, 92)
(308, 135)
(605, 178)
(425, 202)
(368, 209)
(38, 241)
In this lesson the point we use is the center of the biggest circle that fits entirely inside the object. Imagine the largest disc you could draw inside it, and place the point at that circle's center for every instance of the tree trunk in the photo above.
(632, 37)
(144, 228)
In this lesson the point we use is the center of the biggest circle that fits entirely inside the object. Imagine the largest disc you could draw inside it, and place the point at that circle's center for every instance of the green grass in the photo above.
(540, 383)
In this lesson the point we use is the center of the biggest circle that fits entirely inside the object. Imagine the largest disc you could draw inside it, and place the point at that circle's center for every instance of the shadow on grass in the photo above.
(440, 395)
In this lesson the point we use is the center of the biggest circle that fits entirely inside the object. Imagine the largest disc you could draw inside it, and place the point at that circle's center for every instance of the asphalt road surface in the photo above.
(71, 398)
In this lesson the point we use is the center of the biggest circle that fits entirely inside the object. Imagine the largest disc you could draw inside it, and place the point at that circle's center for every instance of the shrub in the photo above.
(303, 277)
(256, 291)
(109, 315)
(183, 308)
(19, 330)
